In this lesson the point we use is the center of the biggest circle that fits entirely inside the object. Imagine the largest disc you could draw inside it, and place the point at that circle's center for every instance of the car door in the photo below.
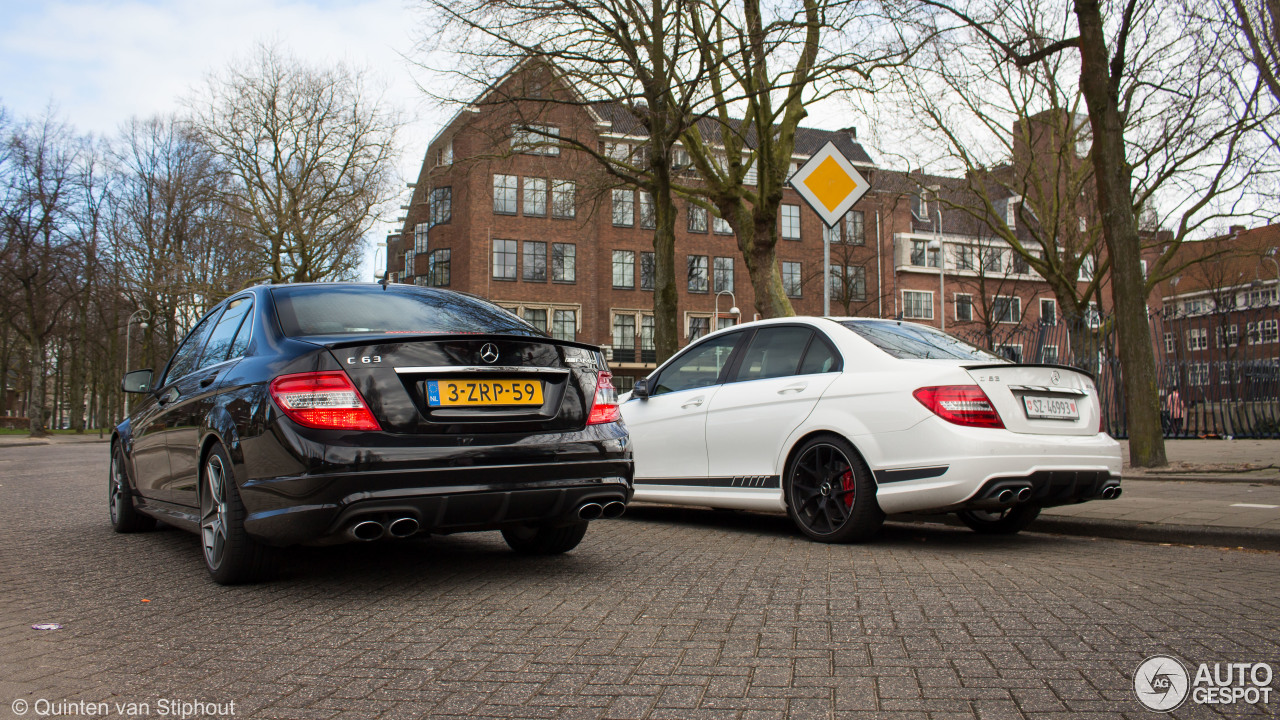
(162, 421)
(197, 393)
(783, 371)
(147, 451)
(668, 428)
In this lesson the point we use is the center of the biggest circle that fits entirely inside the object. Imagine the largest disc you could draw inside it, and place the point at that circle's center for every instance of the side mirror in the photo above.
(641, 389)
(138, 381)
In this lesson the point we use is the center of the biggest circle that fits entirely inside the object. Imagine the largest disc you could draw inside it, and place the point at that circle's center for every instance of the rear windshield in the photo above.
(356, 309)
(909, 341)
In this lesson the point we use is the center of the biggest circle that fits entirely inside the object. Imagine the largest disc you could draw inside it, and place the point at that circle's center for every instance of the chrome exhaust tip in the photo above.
(590, 511)
(366, 530)
(1024, 494)
(1117, 492)
(613, 509)
(402, 527)
(1004, 497)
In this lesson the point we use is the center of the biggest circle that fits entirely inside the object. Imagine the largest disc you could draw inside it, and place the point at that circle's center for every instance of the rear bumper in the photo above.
(454, 487)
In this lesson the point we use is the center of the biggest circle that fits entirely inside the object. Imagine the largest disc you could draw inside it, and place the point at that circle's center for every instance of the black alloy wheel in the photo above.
(544, 539)
(830, 492)
(124, 517)
(1008, 521)
(230, 555)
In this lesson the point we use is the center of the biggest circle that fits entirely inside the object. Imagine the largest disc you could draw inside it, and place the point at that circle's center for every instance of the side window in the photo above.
(820, 358)
(699, 367)
(184, 360)
(241, 343)
(774, 352)
(224, 333)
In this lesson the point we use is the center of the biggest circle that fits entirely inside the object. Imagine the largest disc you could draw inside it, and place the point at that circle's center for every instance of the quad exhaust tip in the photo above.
(1024, 494)
(402, 527)
(366, 530)
(590, 511)
(613, 509)
(1111, 492)
(1004, 497)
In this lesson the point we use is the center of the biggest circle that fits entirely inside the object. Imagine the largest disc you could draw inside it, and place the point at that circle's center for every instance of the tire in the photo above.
(544, 539)
(125, 518)
(830, 494)
(230, 555)
(1004, 522)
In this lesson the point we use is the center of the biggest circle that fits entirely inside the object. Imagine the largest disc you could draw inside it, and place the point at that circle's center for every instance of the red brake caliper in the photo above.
(846, 484)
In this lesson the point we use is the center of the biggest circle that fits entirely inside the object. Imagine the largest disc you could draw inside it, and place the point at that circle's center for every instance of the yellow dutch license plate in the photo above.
(447, 393)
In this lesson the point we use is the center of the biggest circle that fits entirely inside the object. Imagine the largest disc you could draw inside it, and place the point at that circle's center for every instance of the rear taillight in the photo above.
(960, 404)
(325, 400)
(604, 407)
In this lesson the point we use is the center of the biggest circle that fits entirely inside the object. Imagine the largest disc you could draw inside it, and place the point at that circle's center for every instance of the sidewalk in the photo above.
(59, 439)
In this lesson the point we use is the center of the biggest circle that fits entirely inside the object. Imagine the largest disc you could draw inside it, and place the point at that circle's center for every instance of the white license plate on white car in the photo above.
(1051, 408)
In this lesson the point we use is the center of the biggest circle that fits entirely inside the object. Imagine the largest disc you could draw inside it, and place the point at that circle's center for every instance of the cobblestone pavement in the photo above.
(665, 613)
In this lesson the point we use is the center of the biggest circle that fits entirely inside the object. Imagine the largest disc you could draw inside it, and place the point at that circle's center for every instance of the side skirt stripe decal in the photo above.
(740, 481)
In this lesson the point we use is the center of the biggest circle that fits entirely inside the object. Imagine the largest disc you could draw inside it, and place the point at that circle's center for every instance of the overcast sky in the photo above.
(101, 63)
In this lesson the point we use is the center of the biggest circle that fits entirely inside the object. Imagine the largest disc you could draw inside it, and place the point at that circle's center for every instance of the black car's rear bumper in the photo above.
(446, 485)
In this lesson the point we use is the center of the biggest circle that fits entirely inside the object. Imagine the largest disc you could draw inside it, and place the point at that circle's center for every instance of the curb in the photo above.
(1251, 538)
(35, 443)
(1207, 478)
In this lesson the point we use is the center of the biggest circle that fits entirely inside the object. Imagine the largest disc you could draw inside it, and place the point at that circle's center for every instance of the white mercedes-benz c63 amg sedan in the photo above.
(839, 421)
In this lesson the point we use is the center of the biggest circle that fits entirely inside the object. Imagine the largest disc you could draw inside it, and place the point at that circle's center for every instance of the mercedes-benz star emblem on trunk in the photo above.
(489, 353)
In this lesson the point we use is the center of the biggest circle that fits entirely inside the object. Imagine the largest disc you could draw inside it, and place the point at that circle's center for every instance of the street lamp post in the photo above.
(733, 309)
(142, 315)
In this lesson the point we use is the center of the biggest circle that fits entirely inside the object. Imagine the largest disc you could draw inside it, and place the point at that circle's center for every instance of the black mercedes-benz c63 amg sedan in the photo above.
(321, 413)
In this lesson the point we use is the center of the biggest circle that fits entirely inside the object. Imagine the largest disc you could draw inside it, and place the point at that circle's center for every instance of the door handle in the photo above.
(695, 402)
(798, 387)
(206, 382)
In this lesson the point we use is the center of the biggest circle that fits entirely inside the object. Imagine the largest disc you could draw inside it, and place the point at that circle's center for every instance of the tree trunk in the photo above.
(666, 312)
(1115, 202)
(761, 258)
(36, 388)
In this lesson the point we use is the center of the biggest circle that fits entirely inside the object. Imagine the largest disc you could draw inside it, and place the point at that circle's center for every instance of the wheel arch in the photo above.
(808, 435)
(220, 429)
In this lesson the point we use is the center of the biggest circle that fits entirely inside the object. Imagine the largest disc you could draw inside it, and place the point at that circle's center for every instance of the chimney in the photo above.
(850, 131)
(1236, 230)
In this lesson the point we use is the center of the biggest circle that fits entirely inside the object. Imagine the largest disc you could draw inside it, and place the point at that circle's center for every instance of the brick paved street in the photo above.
(662, 614)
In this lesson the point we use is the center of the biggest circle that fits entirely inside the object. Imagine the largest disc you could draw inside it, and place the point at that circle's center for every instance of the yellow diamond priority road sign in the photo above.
(830, 184)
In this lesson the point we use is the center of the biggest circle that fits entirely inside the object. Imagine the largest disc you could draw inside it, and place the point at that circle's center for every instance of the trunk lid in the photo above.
(1040, 399)
(470, 383)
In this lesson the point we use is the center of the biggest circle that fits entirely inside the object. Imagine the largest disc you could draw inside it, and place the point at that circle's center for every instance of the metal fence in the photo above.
(1218, 369)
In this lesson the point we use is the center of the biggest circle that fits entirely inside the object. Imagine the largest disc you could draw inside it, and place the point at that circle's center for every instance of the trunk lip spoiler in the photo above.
(1055, 366)
(397, 338)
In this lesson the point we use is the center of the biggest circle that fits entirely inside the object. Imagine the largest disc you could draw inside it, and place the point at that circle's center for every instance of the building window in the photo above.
(697, 219)
(1092, 316)
(964, 307)
(1048, 312)
(535, 196)
(444, 154)
(504, 194)
(535, 261)
(420, 237)
(1228, 336)
(624, 208)
(1020, 265)
(564, 262)
(791, 282)
(963, 255)
(1170, 342)
(849, 283)
(564, 324)
(917, 305)
(855, 229)
(1261, 332)
(535, 139)
(752, 176)
(408, 264)
(921, 255)
(1198, 339)
(1198, 374)
(790, 222)
(536, 317)
(646, 271)
(1006, 309)
(1009, 352)
(831, 235)
(624, 333)
(1049, 354)
(721, 226)
(1087, 268)
(699, 325)
(624, 269)
(697, 273)
(992, 260)
(722, 278)
(438, 267)
(648, 351)
(441, 205)
(647, 219)
(564, 199)
(504, 259)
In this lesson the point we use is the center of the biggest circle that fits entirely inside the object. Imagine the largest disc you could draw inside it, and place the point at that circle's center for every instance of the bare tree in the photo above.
(1259, 26)
(308, 157)
(35, 250)
(1168, 132)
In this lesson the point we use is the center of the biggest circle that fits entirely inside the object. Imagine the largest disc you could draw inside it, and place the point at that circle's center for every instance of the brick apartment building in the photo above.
(533, 226)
